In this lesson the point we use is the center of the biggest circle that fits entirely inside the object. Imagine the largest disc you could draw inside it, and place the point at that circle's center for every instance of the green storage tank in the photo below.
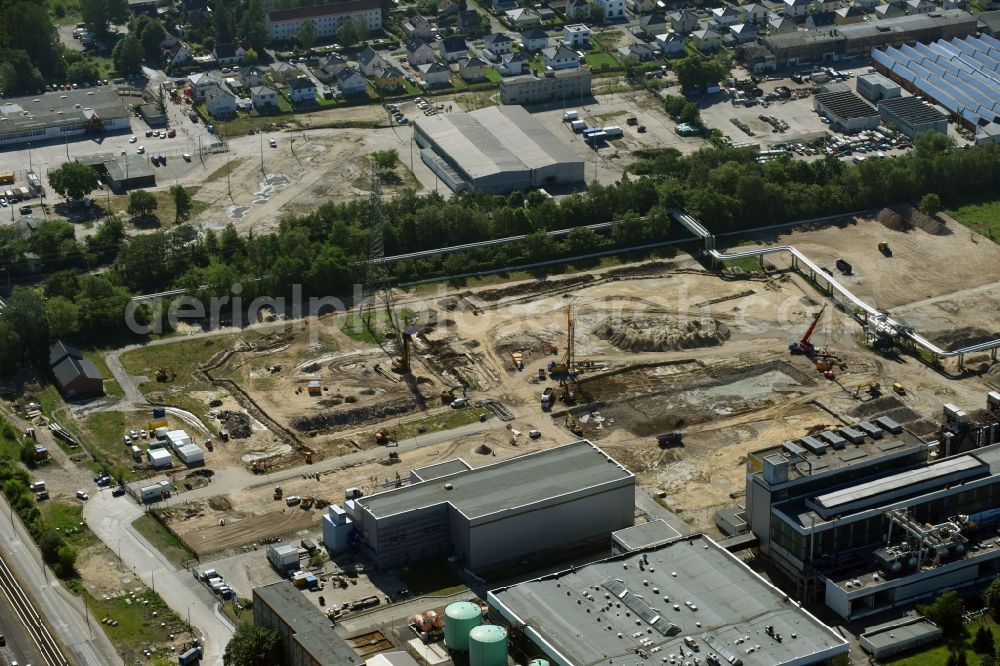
(538, 662)
(488, 646)
(460, 618)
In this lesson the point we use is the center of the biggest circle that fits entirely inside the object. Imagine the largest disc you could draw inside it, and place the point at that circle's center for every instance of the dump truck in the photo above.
(548, 396)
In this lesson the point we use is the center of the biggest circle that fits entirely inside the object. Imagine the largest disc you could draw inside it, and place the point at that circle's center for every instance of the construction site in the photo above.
(677, 367)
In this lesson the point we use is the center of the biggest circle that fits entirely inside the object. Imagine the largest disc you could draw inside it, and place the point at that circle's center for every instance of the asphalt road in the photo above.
(20, 647)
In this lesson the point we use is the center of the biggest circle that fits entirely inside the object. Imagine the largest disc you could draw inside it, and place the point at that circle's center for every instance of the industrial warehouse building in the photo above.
(538, 505)
(803, 46)
(874, 87)
(958, 74)
(497, 150)
(567, 85)
(847, 110)
(307, 636)
(61, 114)
(122, 172)
(872, 518)
(911, 116)
(621, 610)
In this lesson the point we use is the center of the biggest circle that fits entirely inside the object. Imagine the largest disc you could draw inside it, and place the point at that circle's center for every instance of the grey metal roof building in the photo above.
(76, 376)
(123, 172)
(636, 608)
(538, 504)
(61, 114)
(307, 636)
(643, 535)
(848, 110)
(496, 149)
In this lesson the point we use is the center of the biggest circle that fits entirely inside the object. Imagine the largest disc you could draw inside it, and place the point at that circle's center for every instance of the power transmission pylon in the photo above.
(377, 282)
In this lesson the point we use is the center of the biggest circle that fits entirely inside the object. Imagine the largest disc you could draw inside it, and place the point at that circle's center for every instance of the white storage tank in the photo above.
(488, 646)
(460, 618)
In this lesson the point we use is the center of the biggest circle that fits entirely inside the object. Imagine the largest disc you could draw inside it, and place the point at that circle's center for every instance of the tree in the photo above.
(10, 348)
(252, 28)
(930, 204)
(161, 102)
(151, 36)
(128, 55)
(351, 32)
(25, 312)
(695, 73)
(182, 202)
(18, 74)
(983, 641)
(385, 159)
(597, 13)
(992, 597)
(28, 35)
(63, 316)
(74, 180)
(946, 612)
(83, 71)
(141, 203)
(957, 658)
(222, 22)
(306, 35)
(253, 646)
(99, 14)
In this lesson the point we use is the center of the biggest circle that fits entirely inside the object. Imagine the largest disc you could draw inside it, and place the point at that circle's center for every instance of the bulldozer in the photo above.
(384, 437)
(307, 503)
(573, 425)
(165, 375)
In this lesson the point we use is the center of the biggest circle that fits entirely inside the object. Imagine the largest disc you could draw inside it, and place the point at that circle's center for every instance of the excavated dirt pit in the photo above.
(658, 334)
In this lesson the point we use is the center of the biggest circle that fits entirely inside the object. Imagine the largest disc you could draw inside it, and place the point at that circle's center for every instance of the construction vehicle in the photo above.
(564, 367)
(899, 389)
(548, 395)
(675, 438)
(573, 425)
(385, 437)
(278, 492)
(257, 467)
(883, 247)
(541, 374)
(307, 503)
(518, 359)
(805, 346)
(874, 389)
(165, 375)
(402, 364)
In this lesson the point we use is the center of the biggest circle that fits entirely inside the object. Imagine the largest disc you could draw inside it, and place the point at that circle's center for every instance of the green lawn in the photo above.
(141, 619)
(431, 577)
(243, 123)
(105, 432)
(982, 217)
(163, 540)
(111, 387)
(354, 328)
(494, 75)
(165, 212)
(600, 61)
(938, 654)
(67, 519)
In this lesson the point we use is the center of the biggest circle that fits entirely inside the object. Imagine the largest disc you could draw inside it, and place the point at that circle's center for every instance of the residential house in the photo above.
(849, 15)
(780, 24)
(329, 66)
(919, 7)
(513, 64)
(220, 103)
(284, 24)
(560, 57)
(264, 98)
(176, 54)
(147, 7)
(251, 76)
(641, 6)
(670, 43)
(955, 4)
(577, 10)
(76, 375)
(642, 52)
(351, 82)
(867, 5)
(229, 53)
(706, 40)
(390, 78)
(302, 89)
(754, 13)
(535, 39)
(453, 49)
(435, 74)
(26, 226)
(370, 62)
(280, 71)
(653, 24)
(202, 82)
(743, 32)
(576, 36)
(613, 9)
(503, 6)
(684, 21)
(418, 52)
(889, 11)
(419, 27)
(497, 45)
(820, 6)
(448, 8)
(821, 20)
(522, 18)
(472, 69)
(797, 8)
(470, 22)
(726, 16)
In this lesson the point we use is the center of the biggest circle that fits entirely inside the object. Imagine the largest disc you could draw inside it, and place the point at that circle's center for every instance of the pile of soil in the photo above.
(964, 337)
(237, 423)
(658, 334)
(929, 224)
(364, 414)
(891, 219)
(220, 503)
(529, 288)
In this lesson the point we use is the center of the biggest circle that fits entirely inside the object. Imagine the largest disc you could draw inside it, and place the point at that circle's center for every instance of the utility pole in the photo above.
(262, 154)
(29, 157)
(229, 185)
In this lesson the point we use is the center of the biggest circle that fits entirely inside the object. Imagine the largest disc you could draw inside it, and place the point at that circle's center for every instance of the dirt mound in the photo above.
(220, 503)
(659, 334)
(529, 288)
(353, 416)
(929, 224)
(237, 423)
(641, 269)
(891, 219)
(964, 337)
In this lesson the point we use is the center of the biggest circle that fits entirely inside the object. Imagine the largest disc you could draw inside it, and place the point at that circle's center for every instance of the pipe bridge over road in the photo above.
(866, 314)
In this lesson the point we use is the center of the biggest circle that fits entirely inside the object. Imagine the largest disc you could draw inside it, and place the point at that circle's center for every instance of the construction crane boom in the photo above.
(805, 346)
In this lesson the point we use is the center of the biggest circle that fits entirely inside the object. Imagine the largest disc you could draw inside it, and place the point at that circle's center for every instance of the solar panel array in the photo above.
(962, 74)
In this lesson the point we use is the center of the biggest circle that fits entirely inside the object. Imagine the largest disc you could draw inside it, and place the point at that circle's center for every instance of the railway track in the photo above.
(30, 618)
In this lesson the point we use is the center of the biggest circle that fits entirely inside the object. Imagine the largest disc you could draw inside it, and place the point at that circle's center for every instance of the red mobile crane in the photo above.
(804, 346)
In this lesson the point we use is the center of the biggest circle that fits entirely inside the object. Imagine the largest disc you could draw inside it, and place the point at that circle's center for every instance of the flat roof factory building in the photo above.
(538, 505)
(848, 110)
(911, 116)
(307, 636)
(683, 595)
(497, 150)
(61, 114)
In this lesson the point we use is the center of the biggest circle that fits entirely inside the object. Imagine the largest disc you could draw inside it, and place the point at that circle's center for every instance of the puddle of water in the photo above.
(750, 388)
(237, 212)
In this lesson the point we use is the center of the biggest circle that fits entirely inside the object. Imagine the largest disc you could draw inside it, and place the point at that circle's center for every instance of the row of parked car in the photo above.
(214, 581)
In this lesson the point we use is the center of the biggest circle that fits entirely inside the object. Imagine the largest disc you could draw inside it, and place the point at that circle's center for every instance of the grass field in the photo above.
(165, 208)
(938, 654)
(161, 538)
(221, 172)
(982, 217)
(105, 430)
(111, 387)
(142, 618)
(67, 519)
